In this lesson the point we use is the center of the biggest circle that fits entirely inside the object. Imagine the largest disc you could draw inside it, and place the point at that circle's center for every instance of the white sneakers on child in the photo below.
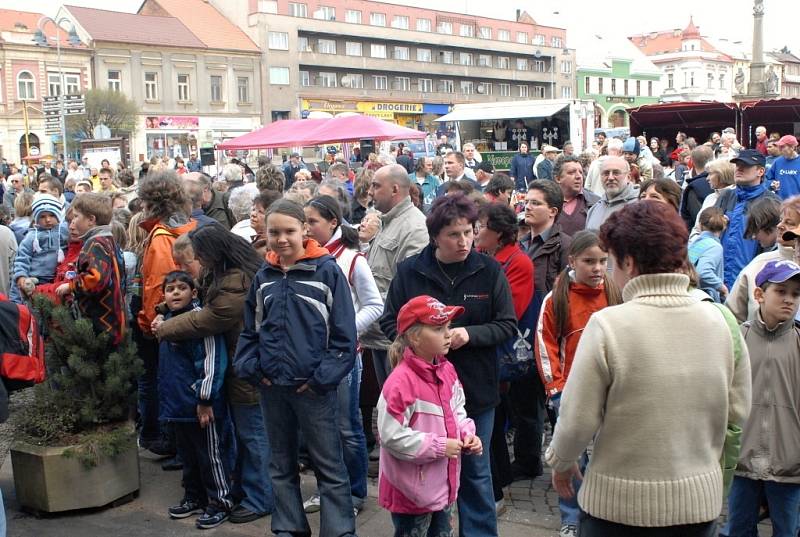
(568, 530)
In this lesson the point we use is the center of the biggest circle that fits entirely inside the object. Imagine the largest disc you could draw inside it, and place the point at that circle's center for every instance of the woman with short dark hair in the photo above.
(641, 368)
(449, 270)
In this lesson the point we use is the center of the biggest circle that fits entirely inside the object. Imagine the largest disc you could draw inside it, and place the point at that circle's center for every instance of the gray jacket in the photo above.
(403, 234)
(8, 250)
(604, 208)
(771, 437)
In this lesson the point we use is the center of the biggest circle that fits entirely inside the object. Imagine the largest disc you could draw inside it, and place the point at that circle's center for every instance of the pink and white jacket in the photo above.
(420, 407)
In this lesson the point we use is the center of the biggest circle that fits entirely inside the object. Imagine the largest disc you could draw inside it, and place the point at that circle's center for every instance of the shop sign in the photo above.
(226, 123)
(321, 105)
(393, 108)
(388, 116)
(181, 123)
(619, 99)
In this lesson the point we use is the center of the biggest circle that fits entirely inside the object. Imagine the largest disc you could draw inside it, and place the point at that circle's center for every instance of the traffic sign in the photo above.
(51, 113)
(52, 130)
(74, 111)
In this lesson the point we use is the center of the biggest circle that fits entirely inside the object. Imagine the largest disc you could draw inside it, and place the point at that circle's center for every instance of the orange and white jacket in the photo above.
(554, 354)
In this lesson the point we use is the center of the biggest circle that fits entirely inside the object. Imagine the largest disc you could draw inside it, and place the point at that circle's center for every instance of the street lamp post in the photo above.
(41, 39)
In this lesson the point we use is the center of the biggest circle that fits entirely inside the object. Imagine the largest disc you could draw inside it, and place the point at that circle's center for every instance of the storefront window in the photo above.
(172, 144)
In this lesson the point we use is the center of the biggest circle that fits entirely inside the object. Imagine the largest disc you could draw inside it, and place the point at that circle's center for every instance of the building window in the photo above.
(216, 88)
(538, 92)
(566, 92)
(484, 60)
(710, 81)
(356, 81)
(505, 90)
(691, 79)
(522, 37)
(650, 88)
(538, 66)
(402, 83)
(53, 84)
(467, 88)
(670, 81)
(722, 81)
(424, 25)
(73, 84)
(303, 44)
(400, 22)
(25, 86)
(625, 87)
(425, 85)
(467, 30)
(352, 16)
(243, 89)
(445, 27)
(503, 62)
(447, 56)
(380, 82)
(183, 87)
(613, 86)
(465, 58)
(522, 64)
(503, 35)
(325, 13)
(566, 67)
(279, 41)
(328, 80)
(279, 76)
(424, 55)
(151, 86)
(487, 88)
(600, 85)
(402, 53)
(523, 91)
(115, 80)
(352, 48)
(446, 86)
(298, 10)
(305, 79)
(485, 32)
(377, 19)
(538, 39)
(326, 46)
(377, 50)
(638, 88)
(555, 42)
(587, 85)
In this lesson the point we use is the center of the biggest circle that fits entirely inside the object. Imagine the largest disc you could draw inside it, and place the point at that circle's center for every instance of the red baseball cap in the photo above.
(426, 310)
(787, 139)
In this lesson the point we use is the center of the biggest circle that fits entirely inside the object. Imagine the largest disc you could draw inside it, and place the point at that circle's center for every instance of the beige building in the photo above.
(193, 89)
(403, 64)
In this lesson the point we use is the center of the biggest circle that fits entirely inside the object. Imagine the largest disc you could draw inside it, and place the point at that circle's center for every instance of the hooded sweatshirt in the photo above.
(604, 208)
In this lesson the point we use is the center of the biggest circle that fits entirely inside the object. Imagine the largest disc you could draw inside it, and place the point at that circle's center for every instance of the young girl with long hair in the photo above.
(420, 450)
(324, 217)
(581, 289)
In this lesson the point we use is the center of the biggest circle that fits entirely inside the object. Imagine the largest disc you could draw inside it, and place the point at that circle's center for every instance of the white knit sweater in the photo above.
(653, 382)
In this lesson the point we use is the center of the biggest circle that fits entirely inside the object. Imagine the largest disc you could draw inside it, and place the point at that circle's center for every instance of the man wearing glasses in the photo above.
(15, 186)
(619, 191)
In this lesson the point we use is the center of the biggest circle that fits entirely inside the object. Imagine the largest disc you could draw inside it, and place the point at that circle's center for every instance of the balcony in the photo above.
(412, 96)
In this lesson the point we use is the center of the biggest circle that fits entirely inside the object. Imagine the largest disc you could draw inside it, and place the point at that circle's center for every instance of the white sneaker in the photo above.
(568, 530)
(311, 505)
(500, 507)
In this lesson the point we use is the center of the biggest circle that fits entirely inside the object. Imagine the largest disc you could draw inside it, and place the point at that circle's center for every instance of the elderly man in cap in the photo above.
(737, 249)
(291, 167)
(483, 174)
(545, 168)
(786, 168)
(641, 167)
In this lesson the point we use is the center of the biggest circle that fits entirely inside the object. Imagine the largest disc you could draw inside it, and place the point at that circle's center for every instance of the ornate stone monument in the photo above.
(757, 86)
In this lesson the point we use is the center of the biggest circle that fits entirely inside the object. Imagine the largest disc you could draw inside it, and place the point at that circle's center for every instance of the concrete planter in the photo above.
(48, 482)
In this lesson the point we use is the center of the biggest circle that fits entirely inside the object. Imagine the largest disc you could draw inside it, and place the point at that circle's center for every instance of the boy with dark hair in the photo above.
(769, 461)
(99, 283)
(191, 375)
(762, 222)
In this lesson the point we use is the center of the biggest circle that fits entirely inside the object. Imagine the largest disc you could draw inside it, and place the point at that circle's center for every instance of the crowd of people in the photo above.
(277, 309)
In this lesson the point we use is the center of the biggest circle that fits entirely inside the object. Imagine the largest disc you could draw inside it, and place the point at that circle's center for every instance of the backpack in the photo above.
(516, 353)
(21, 346)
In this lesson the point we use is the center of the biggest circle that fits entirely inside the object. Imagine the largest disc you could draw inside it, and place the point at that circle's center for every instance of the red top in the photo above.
(519, 271)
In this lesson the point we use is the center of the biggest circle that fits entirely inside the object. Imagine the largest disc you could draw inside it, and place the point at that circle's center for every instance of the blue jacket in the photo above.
(788, 173)
(42, 263)
(191, 372)
(705, 253)
(522, 170)
(299, 325)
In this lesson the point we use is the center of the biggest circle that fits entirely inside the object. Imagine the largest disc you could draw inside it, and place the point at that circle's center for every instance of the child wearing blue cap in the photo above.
(769, 460)
(39, 252)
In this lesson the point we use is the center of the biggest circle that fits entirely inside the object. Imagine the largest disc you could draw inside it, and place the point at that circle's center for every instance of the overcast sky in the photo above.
(731, 19)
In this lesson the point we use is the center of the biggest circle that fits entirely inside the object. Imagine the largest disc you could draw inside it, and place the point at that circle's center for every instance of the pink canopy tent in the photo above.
(305, 132)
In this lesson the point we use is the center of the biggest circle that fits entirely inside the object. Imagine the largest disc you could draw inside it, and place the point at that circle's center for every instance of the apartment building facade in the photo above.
(403, 64)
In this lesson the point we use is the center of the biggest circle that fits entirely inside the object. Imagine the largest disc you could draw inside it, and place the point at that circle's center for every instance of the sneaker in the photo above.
(187, 508)
(311, 505)
(161, 448)
(172, 464)
(211, 518)
(499, 507)
(243, 515)
(568, 530)
(375, 454)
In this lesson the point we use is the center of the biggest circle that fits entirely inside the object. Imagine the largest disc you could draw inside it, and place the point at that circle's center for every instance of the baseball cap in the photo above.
(426, 310)
(750, 157)
(631, 145)
(777, 272)
(550, 149)
(787, 139)
(485, 166)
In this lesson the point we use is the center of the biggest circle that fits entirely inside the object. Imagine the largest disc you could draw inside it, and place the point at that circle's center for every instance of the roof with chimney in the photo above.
(654, 44)
(20, 27)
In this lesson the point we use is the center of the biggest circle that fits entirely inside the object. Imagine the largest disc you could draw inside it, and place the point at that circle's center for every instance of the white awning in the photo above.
(506, 110)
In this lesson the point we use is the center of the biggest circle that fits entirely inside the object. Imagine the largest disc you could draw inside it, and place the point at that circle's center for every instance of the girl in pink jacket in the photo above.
(422, 423)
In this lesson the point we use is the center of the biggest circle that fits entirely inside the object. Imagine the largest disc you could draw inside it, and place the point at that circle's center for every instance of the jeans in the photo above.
(436, 524)
(568, 507)
(252, 459)
(380, 360)
(149, 429)
(354, 443)
(590, 526)
(744, 502)
(2, 516)
(476, 509)
(287, 412)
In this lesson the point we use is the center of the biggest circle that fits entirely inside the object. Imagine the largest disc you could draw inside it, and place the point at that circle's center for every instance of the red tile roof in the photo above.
(15, 21)
(116, 27)
(204, 21)
(656, 43)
